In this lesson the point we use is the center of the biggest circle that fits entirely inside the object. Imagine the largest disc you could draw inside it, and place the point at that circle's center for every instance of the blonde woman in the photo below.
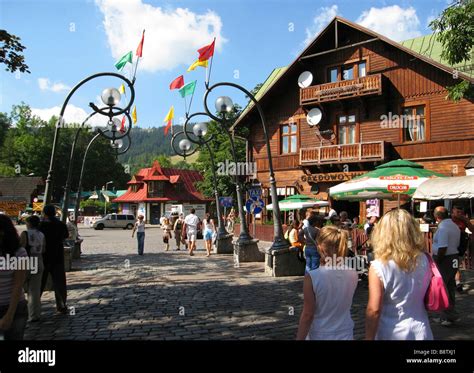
(167, 236)
(328, 291)
(398, 280)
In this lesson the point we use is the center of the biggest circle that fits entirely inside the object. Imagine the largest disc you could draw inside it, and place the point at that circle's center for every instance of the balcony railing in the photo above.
(367, 85)
(344, 153)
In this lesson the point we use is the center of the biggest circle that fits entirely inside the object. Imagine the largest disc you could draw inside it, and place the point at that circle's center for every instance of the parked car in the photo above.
(115, 221)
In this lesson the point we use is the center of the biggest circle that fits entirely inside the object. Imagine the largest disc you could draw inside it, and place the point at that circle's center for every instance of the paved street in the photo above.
(116, 294)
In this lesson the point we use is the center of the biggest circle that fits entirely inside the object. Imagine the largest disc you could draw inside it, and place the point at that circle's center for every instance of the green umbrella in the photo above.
(298, 202)
(387, 181)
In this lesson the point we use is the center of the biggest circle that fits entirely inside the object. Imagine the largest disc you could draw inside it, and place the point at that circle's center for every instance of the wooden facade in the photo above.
(363, 83)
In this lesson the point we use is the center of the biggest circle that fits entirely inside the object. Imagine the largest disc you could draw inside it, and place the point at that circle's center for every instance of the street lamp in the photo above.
(105, 196)
(224, 105)
(224, 239)
(116, 145)
(110, 97)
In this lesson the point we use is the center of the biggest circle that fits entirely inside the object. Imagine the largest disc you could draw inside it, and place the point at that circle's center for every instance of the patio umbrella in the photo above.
(387, 181)
(298, 202)
(446, 188)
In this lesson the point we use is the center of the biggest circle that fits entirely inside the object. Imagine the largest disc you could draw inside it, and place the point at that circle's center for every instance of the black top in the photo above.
(55, 232)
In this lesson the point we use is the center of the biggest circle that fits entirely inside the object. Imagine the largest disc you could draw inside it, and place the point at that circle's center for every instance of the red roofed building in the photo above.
(155, 191)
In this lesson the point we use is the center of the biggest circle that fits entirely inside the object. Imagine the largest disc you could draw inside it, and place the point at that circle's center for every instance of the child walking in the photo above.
(328, 291)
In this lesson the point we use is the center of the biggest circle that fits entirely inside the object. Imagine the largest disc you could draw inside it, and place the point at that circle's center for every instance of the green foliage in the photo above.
(221, 149)
(10, 53)
(455, 30)
(28, 142)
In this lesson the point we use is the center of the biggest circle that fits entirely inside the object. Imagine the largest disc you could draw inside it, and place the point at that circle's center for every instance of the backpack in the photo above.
(463, 243)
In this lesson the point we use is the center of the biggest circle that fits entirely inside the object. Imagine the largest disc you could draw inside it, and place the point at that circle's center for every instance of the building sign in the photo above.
(331, 177)
(398, 188)
(12, 208)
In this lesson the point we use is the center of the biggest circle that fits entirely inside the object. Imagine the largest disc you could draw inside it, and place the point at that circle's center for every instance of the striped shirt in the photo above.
(6, 279)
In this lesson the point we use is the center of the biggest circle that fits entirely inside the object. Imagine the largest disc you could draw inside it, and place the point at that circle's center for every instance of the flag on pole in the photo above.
(188, 89)
(198, 63)
(122, 126)
(123, 61)
(206, 52)
(122, 89)
(134, 114)
(169, 118)
(140, 46)
(177, 83)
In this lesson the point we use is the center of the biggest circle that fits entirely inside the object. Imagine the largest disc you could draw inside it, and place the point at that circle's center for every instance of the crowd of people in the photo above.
(184, 230)
(399, 274)
(43, 243)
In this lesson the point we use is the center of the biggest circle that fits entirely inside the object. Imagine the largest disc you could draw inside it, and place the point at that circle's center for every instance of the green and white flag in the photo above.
(188, 89)
(123, 61)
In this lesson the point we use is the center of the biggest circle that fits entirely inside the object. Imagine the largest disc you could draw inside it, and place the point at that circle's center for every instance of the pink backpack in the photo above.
(436, 298)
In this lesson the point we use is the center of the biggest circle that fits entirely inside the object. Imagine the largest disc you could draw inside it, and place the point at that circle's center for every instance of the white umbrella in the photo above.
(446, 188)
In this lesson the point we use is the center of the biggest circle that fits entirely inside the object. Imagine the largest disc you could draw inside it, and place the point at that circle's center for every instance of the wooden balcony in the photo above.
(367, 85)
(347, 153)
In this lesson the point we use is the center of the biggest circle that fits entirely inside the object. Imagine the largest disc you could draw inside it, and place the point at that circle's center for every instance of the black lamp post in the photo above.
(200, 130)
(225, 105)
(111, 97)
(116, 144)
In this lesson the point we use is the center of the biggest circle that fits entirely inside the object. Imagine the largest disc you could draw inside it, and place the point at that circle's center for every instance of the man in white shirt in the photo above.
(445, 254)
(191, 223)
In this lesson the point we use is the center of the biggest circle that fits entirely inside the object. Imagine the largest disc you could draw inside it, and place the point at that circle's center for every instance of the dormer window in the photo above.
(156, 189)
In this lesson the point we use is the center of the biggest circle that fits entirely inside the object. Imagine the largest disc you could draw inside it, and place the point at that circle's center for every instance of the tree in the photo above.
(455, 31)
(164, 161)
(222, 152)
(10, 53)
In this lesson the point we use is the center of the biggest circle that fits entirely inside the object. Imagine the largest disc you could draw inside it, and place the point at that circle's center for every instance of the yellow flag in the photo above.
(170, 115)
(122, 89)
(197, 63)
(134, 114)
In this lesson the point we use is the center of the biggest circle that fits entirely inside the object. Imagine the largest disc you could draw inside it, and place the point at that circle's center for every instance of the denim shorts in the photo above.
(207, 235)
(17, 329)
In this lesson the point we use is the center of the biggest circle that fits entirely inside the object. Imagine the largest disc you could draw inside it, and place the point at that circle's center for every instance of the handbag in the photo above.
(436, 297)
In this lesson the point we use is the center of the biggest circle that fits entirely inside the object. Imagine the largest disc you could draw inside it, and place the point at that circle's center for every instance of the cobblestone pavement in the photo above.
(115, 294)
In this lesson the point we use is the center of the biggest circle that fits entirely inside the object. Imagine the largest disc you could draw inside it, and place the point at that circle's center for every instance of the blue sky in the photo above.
(68, 40)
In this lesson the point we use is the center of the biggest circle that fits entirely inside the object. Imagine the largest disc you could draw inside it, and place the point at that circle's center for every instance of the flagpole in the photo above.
(185, 106)
(191, 101)
(138, 57)
(210, 67)
(135, 72)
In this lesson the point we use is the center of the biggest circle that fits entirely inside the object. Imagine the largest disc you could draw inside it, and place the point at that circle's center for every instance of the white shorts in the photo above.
(191, 235)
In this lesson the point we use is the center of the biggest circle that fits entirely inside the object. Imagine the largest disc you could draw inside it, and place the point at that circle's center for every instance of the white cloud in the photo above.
(392, 21)
(45, 85)
(325, 15)
(172, 36)
(73, 114)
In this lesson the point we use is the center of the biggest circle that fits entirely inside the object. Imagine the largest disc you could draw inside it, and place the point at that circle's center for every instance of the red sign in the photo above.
(398, 188)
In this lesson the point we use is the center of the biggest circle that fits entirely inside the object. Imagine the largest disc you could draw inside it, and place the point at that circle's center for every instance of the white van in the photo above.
(115, 221)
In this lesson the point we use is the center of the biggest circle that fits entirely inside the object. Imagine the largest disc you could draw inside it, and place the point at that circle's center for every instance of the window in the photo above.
(121, 217)
(333, 75)
(362, 69)
(347, 72)
(134, 188)
(347, 129)
(414, 123)
(289, 138)
(156, 189)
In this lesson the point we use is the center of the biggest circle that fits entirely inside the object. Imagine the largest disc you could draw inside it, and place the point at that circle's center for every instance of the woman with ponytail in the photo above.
(328, 291)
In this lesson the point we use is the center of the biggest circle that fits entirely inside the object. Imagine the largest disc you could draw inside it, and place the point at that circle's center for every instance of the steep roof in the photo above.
(172, 176)
(414, 48)
(19, 187)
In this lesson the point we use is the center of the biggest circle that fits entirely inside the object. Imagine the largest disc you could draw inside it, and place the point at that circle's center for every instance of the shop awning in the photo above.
(446, 188)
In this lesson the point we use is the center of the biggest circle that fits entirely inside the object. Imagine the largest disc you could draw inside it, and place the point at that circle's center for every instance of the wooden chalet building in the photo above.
(361, 82)
(156, 191)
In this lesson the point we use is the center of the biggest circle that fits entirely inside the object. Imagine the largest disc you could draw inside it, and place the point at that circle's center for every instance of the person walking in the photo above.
(398, 280)
(209, 229)
(445, 254)
(178, 228)
(139, 227)
(55, 232)
(191, 223)
(328, 291)
(310, 236)
(167, 229)
(459, 218)
(13, 308)
(35, 244)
